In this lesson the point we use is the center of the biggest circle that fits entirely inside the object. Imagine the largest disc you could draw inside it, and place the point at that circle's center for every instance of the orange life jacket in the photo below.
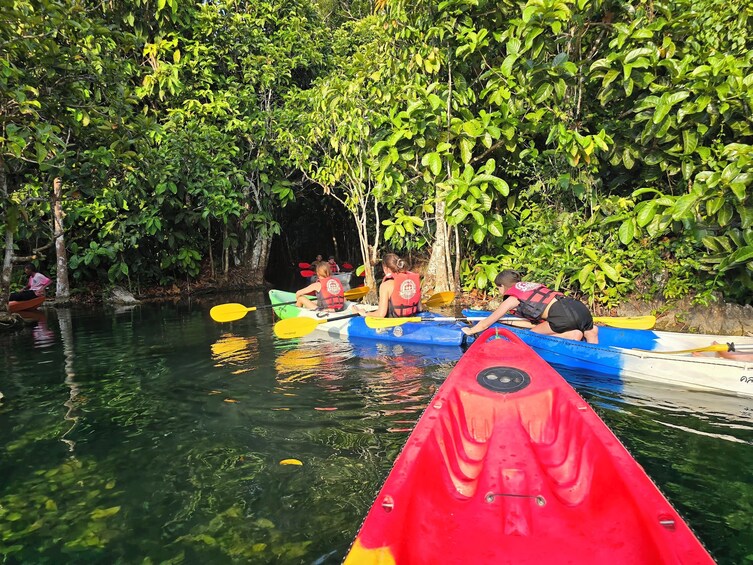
(331, 296)
(406, 295)
(534, 298)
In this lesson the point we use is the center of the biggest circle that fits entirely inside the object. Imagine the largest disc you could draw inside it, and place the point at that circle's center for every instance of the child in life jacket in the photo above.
(550, 311)
(333, 265)
(399, 293)
(330, 295)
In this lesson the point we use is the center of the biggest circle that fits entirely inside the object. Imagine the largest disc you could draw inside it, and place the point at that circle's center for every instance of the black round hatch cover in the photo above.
(503, 379)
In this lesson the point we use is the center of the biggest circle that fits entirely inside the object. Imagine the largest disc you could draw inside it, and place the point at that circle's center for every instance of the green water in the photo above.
(155, 435)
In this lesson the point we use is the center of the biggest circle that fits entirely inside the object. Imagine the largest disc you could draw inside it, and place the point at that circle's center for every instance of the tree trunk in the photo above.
(439, 276)
(7, 268)
(257, 264)
(62, 289)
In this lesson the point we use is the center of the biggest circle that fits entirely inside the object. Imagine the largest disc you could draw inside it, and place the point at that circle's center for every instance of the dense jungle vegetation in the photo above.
(604, 147)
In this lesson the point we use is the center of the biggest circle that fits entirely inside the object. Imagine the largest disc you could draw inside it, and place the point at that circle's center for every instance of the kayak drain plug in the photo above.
(503, 379)
(540, 500)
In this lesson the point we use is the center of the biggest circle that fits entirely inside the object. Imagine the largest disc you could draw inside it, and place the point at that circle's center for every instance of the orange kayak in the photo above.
(508, 464)
(19, 305)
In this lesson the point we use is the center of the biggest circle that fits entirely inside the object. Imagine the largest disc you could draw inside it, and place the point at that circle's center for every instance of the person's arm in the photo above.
(385, 291)
(508, 304)
(313, 287)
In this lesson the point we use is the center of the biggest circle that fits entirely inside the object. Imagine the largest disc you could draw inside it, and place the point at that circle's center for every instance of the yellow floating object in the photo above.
(290, 462)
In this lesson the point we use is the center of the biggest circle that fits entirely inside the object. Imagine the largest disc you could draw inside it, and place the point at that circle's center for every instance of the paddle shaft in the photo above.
(509, 320)
(302, 326)
(235, 311)
(717, 347)
(353, 293)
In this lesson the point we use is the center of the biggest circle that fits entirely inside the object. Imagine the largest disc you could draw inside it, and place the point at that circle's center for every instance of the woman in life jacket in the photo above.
(399, 293)
(330, 295)
(550, 311)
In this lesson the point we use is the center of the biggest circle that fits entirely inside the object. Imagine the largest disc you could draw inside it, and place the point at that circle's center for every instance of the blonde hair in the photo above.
(395, 263)
(323, 270)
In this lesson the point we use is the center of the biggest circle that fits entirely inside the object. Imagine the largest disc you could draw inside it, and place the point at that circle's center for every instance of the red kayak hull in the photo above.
(20, 305)
(508, 464)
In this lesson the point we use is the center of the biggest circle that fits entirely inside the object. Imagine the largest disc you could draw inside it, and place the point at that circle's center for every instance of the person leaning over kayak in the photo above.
(551, 311)
(34, 288)
(399, 293)
(330, 295)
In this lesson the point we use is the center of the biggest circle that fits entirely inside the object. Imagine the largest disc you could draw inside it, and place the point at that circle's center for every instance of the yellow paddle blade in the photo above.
(229, 312)
(376, 323)
(629, 322)
(356, 293)
(440, 299)
(296, 327)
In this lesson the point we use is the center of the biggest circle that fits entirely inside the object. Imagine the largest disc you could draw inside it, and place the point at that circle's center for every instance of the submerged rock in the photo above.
(120, 295)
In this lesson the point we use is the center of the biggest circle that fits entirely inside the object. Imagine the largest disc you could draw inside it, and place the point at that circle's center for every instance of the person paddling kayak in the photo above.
(399, 293)
(551, 311)
(330, 295)
(34, 288)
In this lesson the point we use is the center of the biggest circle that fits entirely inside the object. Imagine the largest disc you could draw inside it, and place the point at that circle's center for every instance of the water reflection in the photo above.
(168, 468)
(66, 333)
(235, 351)
(712, 413)
(43, 335)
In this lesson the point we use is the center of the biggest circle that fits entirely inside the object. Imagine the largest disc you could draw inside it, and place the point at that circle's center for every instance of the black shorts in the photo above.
(569, 314)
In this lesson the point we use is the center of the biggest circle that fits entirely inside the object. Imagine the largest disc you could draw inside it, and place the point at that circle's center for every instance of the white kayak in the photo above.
(646, 354)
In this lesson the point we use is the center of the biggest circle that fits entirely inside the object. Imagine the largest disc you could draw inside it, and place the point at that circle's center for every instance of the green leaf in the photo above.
(433, 161)
(683, 206)
(473, 128)
(101, 513)
(645, 212)
(584, 274)
(466, 150)
(689, 141)
(627, 159)
(495, 228)
(610, 271)
(479, 234)
(627, 231)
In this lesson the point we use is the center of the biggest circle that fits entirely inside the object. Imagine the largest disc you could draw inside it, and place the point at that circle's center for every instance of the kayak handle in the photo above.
(500, 333)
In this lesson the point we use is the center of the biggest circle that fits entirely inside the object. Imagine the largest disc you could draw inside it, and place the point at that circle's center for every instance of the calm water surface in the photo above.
(154, 435)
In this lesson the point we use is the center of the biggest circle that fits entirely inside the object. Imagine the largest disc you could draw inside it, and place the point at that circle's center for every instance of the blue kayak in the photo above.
(346, 325)
(647, 355)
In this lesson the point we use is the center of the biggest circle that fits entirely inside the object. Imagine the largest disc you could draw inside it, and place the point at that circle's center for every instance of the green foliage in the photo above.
(178, 130)
(565, 252)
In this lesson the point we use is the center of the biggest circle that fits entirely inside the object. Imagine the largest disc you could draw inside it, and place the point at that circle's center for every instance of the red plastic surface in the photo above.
(532, 476)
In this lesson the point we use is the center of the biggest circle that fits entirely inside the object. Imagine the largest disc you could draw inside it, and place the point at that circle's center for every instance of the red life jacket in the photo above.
(406, 295)
(331, 295)
(534, 298)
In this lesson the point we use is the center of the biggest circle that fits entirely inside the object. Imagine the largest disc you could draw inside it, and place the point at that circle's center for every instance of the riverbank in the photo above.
(680, 315)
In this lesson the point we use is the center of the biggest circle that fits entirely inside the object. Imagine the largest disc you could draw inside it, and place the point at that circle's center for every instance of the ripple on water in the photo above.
(170, 429)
